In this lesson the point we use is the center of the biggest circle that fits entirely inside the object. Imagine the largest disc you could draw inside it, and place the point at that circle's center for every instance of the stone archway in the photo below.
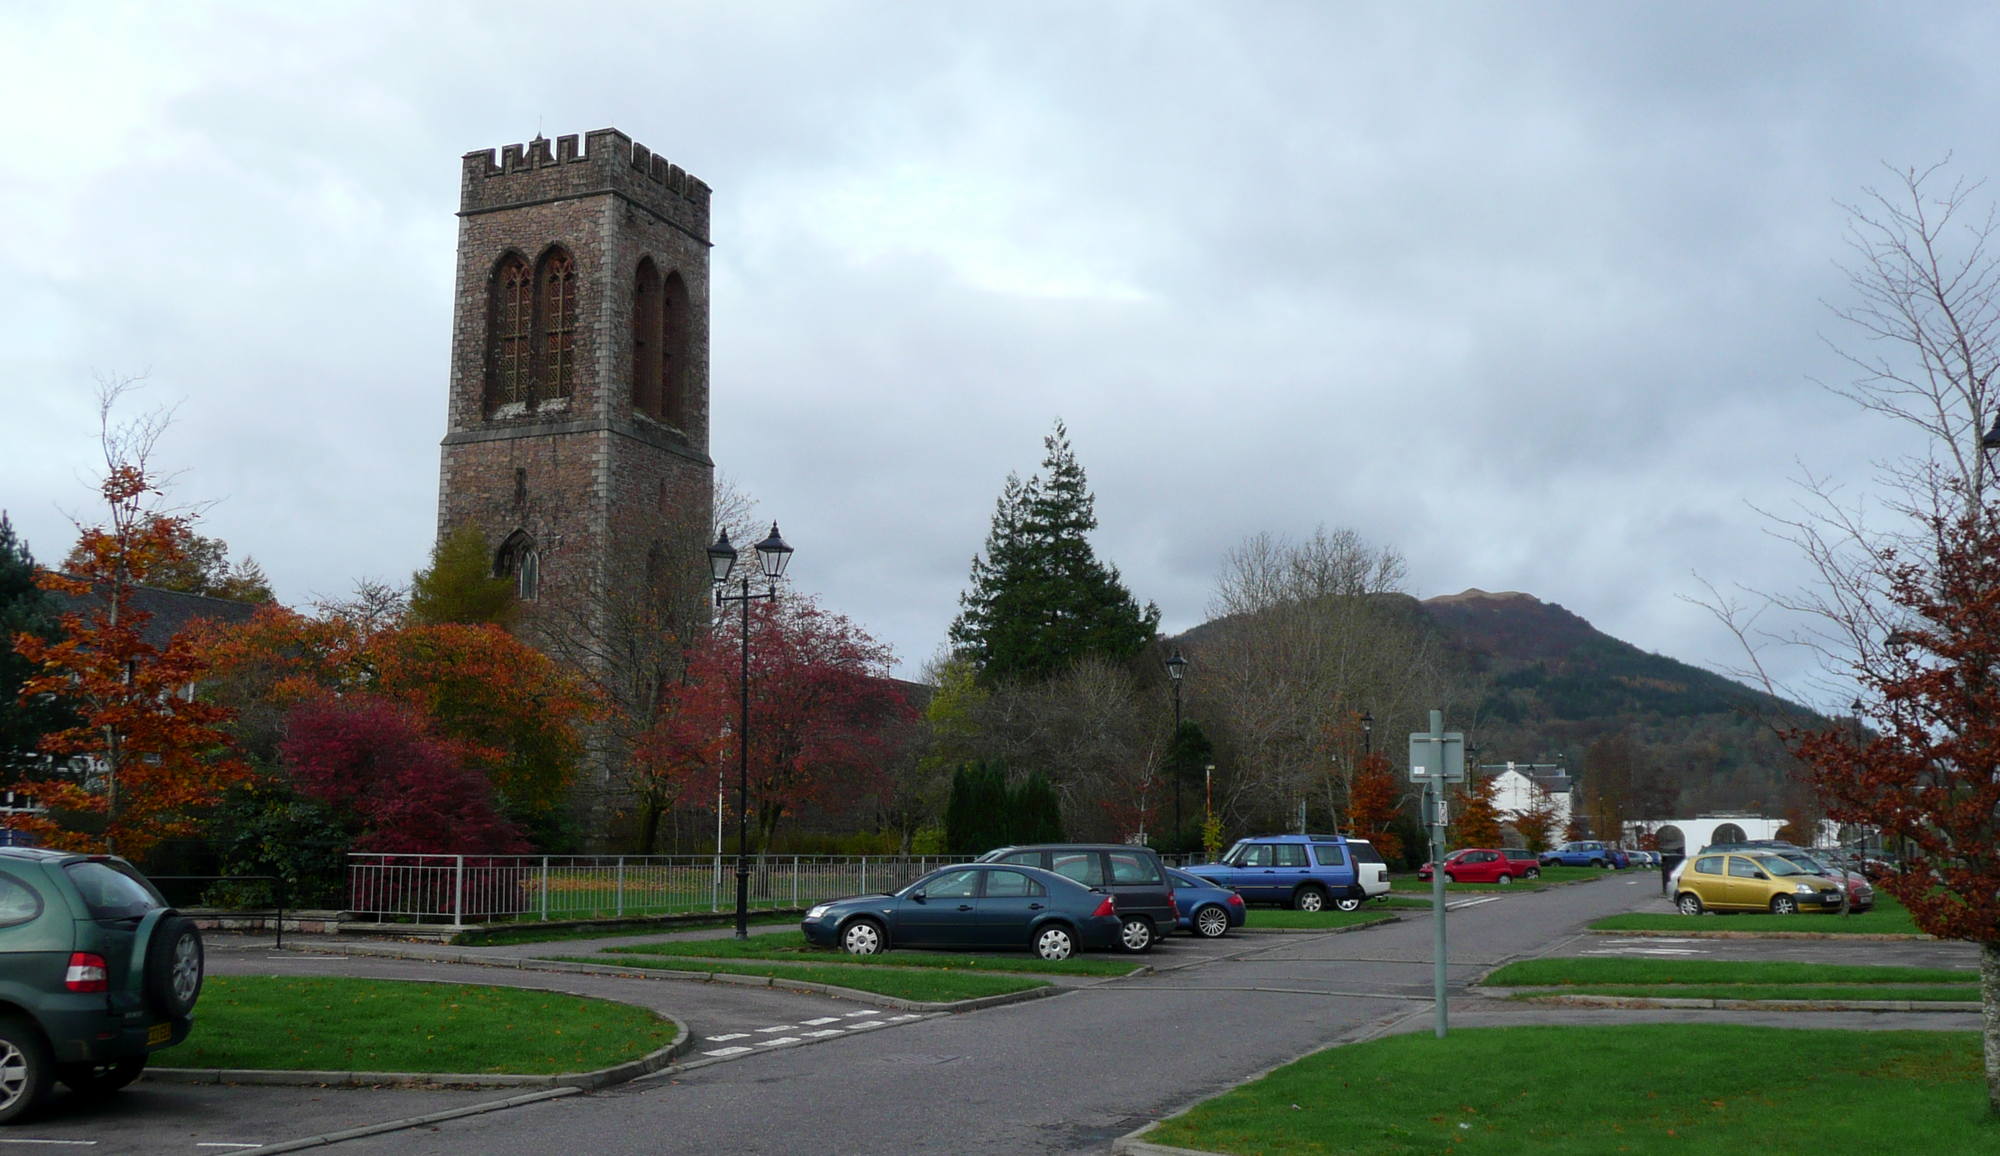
(1671, 840)
(1728, 833)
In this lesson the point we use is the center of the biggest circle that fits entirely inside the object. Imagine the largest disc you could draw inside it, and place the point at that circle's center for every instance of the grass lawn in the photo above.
(1888, 918)
(1639, 1088)
(1286, 918)
(1726, 979)
(1818, 993)
(377, 1025)
(1559, 971)
(791, 946)
(531, 933)
(929, 985)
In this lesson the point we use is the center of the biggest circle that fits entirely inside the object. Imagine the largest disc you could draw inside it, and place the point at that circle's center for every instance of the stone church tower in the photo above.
(577, 436)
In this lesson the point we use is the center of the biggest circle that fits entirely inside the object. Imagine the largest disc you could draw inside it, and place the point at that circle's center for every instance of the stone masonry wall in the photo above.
(605, 491)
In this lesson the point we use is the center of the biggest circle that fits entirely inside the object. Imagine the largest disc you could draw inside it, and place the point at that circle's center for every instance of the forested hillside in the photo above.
(1544, 682)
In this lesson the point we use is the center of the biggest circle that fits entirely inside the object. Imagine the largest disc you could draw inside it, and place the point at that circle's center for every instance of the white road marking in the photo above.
(911, 1016)
(870, 1024)
(823, 1033)
(857, 1015)
(822, 1020)
(727, 1052)
(224, 1144)
(1649, 951)
(779, 1028)
(70, 1143)
(729, 1036)
(776, 1042)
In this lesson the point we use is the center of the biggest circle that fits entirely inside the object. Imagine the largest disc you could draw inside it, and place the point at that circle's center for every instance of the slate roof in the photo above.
(171, 611)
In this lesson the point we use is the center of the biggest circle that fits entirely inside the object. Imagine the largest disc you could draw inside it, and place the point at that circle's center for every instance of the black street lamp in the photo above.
(1176, 666)
(1367, 734)
(772, 557)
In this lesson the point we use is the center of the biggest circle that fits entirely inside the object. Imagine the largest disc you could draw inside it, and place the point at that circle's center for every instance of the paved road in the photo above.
(1065, 1074)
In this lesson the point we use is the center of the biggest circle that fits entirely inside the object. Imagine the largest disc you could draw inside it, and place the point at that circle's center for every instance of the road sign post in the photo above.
(1437, 757)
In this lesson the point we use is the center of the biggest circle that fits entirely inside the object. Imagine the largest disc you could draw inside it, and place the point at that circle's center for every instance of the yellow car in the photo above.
(1752, 881)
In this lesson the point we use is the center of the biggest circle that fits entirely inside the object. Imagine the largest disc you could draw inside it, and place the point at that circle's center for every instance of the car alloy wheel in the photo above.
(1689, 903)
(1784, 905)
(1055, 943)
(1136, 935)
(1532, 873)
(1310, 899)
(25, 1067)
(862, 937)
(1347, 903)
(1504, 880)
(1211, 922)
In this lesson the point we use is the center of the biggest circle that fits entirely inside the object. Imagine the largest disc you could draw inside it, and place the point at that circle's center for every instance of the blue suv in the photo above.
(1308, 872)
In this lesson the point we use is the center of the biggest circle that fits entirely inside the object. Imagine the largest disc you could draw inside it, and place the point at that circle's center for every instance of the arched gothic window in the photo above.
(646, 339)
(555, 308)
(660, 328)
(674, 330)
(520, 560)
(510, 324)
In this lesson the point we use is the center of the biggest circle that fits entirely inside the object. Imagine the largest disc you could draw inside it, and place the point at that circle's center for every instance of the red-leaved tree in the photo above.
(1927, 770)
(509, 711)
(376, 763)
(821, 709)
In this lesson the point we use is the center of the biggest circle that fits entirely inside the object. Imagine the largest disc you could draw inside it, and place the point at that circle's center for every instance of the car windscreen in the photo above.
(112, 892)
(1363, 851)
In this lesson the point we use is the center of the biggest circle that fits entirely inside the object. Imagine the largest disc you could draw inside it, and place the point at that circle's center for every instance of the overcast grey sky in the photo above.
(1534, 293)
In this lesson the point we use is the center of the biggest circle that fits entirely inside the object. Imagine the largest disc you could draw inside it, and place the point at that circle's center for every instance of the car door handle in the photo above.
(1034, 907)
(965, 907)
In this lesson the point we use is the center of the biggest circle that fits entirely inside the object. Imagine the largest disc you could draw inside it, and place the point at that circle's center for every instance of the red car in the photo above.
(1478, 865)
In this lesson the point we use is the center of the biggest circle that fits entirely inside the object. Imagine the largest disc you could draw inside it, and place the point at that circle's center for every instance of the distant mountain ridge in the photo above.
(1537, 683)
(1548, 679)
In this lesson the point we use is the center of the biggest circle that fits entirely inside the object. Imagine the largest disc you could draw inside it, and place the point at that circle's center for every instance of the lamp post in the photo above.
(772, 558)
(1176, 666)
(1367, 734)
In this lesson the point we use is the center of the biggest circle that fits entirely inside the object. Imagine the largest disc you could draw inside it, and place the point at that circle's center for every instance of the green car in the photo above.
(96, 974)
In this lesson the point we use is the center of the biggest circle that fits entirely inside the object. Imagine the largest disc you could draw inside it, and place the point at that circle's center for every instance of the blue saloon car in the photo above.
(980, 906)
(1207, 909)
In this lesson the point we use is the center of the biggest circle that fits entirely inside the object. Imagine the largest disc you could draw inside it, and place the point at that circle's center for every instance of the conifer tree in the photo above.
(25, 608)
(1040, 599)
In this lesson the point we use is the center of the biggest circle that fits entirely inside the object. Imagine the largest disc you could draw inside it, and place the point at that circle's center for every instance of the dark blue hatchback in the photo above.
(972, 905)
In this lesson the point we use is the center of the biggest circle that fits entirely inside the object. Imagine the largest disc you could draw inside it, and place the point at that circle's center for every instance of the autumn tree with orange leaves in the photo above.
(1476, 816)
(1373, 804)
(503, 709)
(145, 756)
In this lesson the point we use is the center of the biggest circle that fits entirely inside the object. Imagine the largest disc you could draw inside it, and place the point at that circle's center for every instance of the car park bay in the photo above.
(1054, 1074)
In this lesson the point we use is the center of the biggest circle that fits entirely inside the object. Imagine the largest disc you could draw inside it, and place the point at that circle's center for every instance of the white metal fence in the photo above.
(460, 889)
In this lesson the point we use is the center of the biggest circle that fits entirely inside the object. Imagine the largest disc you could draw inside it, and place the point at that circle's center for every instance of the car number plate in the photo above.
(159, 1034)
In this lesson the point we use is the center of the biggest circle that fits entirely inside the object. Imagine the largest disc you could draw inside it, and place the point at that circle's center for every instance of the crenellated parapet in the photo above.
(609, 162)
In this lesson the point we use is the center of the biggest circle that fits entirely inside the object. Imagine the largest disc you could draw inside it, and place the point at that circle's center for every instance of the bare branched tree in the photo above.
(1311, 634)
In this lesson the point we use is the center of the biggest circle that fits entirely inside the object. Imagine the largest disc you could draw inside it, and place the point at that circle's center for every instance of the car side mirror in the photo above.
(918, 896)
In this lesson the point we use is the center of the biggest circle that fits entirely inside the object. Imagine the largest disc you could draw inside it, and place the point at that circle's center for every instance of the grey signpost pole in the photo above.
(1436, 758)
